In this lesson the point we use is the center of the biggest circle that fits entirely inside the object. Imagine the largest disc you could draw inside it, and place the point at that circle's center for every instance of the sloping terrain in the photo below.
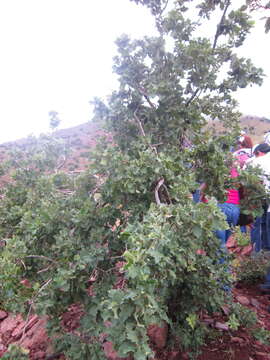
(223, 344)
(79, 139)
(255, 126)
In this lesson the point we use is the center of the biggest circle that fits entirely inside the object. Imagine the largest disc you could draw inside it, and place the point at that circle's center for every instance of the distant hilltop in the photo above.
(81, 138)
(255, 126)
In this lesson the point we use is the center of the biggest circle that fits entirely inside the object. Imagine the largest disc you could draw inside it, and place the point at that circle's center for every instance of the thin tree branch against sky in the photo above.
(56, 55)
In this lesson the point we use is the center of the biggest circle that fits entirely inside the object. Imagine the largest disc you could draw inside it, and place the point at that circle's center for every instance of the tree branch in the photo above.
(192, 97)
(164, 8)
(153, 147)
(217, 34)
(59, 166)
(142, 130)
(28, 322)
(143, 92)
(41, 257)
(167, 192)
(220, 24)
(158, 186)
(45, 269)
(139, 123)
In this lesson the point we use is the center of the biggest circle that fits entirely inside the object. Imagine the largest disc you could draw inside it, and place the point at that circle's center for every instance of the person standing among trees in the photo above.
(231, 210)
(267, 137)
(244, 151)
(260, 233)
(243, 154)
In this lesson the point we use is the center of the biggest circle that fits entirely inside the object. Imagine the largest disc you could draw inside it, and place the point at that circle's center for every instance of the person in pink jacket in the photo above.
(231, 210)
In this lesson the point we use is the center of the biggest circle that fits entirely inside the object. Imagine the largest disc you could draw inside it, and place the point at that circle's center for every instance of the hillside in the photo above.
(84, 136)
(78, 140)
(256, 126)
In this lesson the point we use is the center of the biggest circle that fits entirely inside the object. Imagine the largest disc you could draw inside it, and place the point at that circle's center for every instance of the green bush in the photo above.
(15, 352)
(126, 241)
(252, 269)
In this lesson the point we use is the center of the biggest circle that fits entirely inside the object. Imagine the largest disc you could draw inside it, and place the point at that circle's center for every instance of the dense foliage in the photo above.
(125, 239)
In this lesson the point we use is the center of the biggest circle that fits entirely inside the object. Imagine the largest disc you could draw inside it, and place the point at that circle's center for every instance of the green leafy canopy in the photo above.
(124, 239)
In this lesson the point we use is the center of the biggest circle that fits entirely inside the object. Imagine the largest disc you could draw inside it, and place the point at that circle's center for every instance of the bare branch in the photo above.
(158, 186)
(143, 92)
(139, 123)
(217, 34)
(192, 96)
(149, 102)
(43, 287)
(29, 323)
(62, 163)
(142, 130)
(23, 264)
(41, 257)
(167, 192)
(220, 24)
(27, 320)
(45, 269)
(157, 144)
(164, 8)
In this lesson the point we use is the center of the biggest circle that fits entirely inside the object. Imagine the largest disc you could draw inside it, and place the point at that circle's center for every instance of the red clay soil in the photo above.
(227, 345)
(240, 344)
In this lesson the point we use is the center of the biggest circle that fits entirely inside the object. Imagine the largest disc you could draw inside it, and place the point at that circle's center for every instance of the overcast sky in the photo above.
(57, 55)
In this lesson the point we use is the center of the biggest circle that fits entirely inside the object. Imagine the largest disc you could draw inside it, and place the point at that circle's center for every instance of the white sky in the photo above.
(57, 55)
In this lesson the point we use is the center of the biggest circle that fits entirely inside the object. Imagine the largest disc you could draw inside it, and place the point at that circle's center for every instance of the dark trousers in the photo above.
(260, 232)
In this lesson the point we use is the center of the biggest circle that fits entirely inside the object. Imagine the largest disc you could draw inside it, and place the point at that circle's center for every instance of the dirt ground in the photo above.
(227, 344)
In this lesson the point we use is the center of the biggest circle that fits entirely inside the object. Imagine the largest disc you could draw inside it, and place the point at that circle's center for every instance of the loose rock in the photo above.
(243, 300)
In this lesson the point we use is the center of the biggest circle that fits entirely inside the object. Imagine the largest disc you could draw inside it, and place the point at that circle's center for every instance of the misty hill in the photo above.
(81, 138)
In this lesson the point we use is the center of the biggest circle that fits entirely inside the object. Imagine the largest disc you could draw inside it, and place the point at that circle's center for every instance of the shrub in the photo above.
(141, 252)
(251, 269)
